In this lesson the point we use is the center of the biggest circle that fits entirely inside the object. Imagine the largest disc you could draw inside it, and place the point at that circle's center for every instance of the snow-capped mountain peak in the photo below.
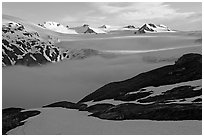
(150, 27)
(57, 27)
(87, 29)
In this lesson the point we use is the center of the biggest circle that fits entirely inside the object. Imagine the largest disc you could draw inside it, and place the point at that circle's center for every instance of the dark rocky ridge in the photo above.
(13, 117)
(186, 68)
(161, 112)
(169, 105)
(66, 104)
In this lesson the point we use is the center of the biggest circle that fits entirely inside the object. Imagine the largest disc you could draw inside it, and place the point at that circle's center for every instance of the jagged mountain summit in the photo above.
(54, 26)
(86, 29)
(153, 28)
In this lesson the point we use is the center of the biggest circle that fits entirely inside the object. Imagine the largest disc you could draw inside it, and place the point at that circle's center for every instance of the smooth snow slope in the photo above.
(59, 121)
(44, 33)
(54, 26)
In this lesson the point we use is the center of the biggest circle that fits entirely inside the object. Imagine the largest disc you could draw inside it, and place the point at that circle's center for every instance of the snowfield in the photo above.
(54, 26)
(59, 121)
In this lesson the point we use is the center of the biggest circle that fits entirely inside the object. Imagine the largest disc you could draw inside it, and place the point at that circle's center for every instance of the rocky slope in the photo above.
(169, 93)
(22, 46)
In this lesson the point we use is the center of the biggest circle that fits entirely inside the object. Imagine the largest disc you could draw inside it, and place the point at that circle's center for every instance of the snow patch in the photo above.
(59, 121)
(54, 26)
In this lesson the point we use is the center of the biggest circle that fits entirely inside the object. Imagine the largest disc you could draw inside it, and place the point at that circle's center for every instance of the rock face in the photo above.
(13, 117)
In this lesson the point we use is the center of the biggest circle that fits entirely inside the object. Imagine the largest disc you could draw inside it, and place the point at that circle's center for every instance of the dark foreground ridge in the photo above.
(156, 111)
(180, 102)
(13, 117)
(186, 68)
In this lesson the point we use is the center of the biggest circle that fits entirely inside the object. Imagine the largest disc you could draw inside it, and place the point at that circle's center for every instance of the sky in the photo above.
(175, 15)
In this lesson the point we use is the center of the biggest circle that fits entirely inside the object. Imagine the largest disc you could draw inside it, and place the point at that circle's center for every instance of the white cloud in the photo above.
(140, 11)
(130, 13)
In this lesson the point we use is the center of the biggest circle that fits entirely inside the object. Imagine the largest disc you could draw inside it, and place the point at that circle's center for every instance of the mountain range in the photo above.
(170, 92)
(29, 44)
